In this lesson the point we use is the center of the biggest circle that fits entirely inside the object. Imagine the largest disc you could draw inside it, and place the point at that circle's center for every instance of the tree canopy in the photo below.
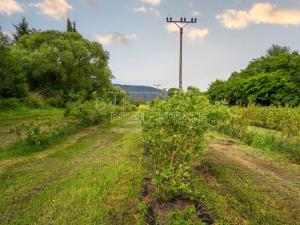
(57, 63)
(273, 79)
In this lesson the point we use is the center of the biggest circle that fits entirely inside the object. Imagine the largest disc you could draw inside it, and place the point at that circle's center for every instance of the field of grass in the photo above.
(91, 177)
(97, 174)
(12, 118)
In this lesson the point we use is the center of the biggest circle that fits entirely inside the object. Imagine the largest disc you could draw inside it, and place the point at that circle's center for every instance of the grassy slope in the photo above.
(92, 177)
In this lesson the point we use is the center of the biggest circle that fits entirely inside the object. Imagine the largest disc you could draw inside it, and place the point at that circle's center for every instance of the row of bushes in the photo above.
(269, 128)
(173, 133)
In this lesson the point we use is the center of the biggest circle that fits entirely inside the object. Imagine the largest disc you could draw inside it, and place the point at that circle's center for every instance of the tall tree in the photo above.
(22, 28)
(71, 26)
(64, 64)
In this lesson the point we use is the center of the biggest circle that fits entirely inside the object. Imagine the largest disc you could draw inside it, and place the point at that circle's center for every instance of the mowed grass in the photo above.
(92, 177)
(241, 186)
(12, 118)
(95, 176)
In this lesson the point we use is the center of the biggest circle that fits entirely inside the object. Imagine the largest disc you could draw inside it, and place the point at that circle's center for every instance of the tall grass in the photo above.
(279, 127)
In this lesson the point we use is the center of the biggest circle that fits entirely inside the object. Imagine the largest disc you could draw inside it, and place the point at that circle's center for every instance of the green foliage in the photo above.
(185, 217)
(57, 102)
(173, 130)
(172, 91)
(33, 101)
(12, 79)
(22, 28)
(32, 133)
(116, 95)
(64, 63)
(279, 132)
(91, 112)
(9, 103)
(71, 27)
(273, 79)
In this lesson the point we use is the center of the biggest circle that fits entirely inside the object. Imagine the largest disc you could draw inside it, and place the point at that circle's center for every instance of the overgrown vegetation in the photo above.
(273, 79)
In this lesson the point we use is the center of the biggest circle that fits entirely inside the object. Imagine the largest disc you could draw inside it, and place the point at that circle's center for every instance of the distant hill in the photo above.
(145, 92)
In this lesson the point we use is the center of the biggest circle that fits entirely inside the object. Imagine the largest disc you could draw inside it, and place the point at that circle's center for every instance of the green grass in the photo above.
(271, 141)
(25, 112)
(95, 176)
(92, 177)
(240, 187)
(13, 118)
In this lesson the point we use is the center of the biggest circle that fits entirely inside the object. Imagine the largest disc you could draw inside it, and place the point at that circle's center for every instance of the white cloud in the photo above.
(113, 38)
(171, 27)
(193, 34)
(152, 2)
(9, 7)
(196, 13)
(150, 11)
(57, 9)
(259, 13)
(9, 35)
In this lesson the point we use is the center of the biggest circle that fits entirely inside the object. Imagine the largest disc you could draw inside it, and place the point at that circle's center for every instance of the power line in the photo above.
(181, 24)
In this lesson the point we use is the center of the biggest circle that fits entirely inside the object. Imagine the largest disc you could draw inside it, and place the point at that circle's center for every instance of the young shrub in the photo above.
(173, 132)
(9, 103)
(90, 112)
(33, 101)
(57, 102)
(34, 134)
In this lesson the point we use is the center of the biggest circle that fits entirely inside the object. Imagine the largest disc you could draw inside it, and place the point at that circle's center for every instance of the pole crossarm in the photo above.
(185, 22)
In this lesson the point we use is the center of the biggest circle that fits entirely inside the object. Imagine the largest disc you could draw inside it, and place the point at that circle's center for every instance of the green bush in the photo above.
(173, 131)
(9, 103)
(33, 101)
(31, 132)
(57, 102)
(90, 112)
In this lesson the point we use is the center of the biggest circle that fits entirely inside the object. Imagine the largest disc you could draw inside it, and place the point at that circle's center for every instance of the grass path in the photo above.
(93, 177)
(242, 187)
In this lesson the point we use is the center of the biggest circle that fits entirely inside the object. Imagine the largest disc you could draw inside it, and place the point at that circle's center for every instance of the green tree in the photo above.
(63, 64)
(172, 91)
(71, 26)
(273, 79)
(22, 28)
(12, 80)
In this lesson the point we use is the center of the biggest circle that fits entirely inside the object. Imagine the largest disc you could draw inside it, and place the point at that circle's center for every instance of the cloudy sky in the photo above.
(144, 50)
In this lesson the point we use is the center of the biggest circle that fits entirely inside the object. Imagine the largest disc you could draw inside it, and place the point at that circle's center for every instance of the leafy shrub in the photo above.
(55, 102)
(90, 112)
(9, 103)
(34, 134)
(173, 131)
(33, 101)
(31, 132)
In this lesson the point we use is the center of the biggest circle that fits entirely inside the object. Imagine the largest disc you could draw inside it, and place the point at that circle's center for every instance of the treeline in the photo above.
(273, 79)
(54, 65)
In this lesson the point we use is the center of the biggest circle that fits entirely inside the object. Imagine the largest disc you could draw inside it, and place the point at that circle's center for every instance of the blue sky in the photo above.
(143, 50)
